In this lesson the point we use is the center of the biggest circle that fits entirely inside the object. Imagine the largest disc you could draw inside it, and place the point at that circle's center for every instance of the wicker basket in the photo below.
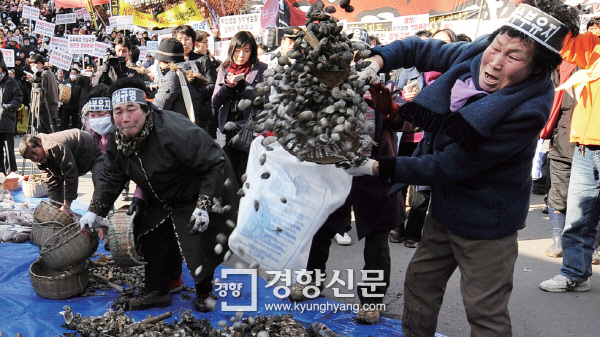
(40, 232)
(68, 247)
(121, 239)
(49, 211)
(35, 187)
(56, 284)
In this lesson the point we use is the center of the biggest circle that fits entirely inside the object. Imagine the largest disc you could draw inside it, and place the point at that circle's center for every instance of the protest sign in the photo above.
(125, 22)
(406, 26)
(100, 49)
(63, 19)
(9, 57)
(44, 28)
(81, 44)
(30, 12)
(59, 43)
(151, 47)
(83, 13)
(230, 25)
(143, 52)
(61, 60)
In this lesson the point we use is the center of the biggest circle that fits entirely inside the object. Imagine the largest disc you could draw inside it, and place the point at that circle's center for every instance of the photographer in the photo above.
(44, 94)
(115, 63)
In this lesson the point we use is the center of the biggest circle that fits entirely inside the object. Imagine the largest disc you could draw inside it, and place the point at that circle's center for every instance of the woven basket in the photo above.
(40, 232)
(49, 211)
(326, 154)
(56, 284)
(35, 186)
(68, 247)
(121, 239)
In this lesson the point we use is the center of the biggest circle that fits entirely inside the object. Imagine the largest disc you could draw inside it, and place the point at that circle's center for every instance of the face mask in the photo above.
(26, 43)
(88, 73)
(165, 70)
(72, 77)
(101, 125)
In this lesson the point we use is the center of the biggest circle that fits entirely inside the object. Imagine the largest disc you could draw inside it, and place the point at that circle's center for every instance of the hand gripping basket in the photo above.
(40, 232)
(58, 284)
(34, 186)
(68, 247)
(122, 240)
(49, 211)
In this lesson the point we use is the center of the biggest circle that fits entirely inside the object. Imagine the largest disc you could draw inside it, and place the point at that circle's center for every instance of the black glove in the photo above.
(137, 206)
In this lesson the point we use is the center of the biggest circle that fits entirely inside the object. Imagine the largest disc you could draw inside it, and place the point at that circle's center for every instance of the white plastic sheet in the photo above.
(279, 215)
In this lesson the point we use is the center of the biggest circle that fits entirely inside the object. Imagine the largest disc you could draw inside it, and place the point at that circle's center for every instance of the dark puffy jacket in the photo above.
(170, 94)
(11, 97)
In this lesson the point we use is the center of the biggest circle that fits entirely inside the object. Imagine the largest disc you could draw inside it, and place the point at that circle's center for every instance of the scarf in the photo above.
(131, 145)
(430, 110)
(462, 91)
(239, 69)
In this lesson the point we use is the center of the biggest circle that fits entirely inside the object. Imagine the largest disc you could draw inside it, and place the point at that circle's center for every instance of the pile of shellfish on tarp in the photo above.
(118, 324)
(316, 106)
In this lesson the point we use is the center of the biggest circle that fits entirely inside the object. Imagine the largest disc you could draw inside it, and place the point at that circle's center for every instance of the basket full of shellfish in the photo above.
(316, 108)
(34, 186)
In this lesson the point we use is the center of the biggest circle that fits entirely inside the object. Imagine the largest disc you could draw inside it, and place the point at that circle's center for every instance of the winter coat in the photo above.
(479, 168)
(223, 96)
(584, 51)
(170, 94)
(49, 83)
(73, 102)
(177, 163)
(70, 154)
(11, 98)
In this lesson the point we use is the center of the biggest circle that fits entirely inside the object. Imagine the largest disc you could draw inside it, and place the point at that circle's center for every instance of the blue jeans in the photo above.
(583, 211)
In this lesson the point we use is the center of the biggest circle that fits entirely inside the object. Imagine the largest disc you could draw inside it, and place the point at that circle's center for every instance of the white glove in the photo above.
(365, 168)
(369, 74)
(199, 221)
(87, 219)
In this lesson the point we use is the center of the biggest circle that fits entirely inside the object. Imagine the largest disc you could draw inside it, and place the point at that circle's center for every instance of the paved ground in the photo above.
(533, 311)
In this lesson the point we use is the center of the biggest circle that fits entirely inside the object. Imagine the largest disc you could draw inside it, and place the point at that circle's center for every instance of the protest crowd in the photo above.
(451, 127)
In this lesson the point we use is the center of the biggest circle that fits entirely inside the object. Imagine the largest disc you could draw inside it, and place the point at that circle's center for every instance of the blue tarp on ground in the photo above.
(22, 310)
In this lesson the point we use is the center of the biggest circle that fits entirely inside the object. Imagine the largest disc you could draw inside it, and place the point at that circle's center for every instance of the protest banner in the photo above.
(30, 12)
(83, 13)
(125, 22)
(44, 28)
(230, 25)
(406, 26)
(379, 26)
(81, 44)
(61, 60)
(151, 47)
(112, 20)
(178, 15)
(63, 19)
(59, 43)
(100, 49)
(9, 57)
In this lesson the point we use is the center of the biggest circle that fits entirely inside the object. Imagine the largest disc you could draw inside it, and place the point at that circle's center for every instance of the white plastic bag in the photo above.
(286, 202)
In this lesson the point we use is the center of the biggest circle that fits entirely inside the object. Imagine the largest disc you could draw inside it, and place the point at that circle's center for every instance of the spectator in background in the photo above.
(45, 98)
(70, 111)
(11, 97)
(463, 37)
(374, 41)
(149, 61)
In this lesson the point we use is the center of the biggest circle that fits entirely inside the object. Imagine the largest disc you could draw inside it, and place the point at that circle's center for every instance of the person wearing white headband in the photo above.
(183, 174)
(483, 115)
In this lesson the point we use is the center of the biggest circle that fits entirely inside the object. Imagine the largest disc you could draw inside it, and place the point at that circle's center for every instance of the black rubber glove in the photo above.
(137, 205)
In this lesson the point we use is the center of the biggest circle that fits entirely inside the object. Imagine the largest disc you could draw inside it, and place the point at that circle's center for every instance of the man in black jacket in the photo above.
(115, 66)
(12, 96)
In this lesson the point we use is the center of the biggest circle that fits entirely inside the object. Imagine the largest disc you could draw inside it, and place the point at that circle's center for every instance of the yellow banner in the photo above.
(178, 15)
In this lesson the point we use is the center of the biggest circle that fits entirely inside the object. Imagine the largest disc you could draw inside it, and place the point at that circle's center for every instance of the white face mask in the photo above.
(72, 77)
(101, 125)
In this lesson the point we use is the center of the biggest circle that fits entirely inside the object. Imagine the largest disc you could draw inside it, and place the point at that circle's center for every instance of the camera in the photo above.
(112, 59)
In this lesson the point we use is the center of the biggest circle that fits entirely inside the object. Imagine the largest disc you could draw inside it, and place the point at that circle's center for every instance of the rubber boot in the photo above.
(557, 225)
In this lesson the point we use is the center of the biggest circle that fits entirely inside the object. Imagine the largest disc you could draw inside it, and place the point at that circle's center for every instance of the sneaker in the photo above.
(149, 299)
(345, 240)
(560, 284)
(411, 243)
(368, 316)
(545, 209)
(596, 256)
(554, 250)
(205, 302)
(175, 285)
